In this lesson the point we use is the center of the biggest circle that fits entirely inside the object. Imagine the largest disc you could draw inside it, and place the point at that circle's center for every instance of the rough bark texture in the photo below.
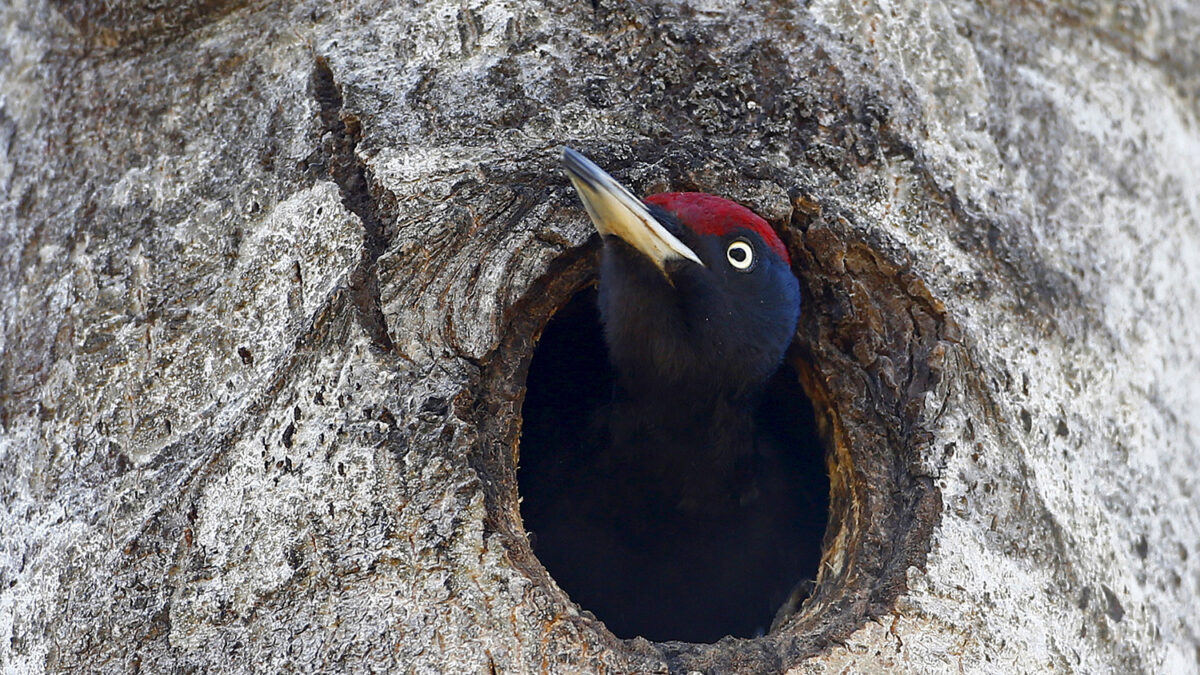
(271, 278)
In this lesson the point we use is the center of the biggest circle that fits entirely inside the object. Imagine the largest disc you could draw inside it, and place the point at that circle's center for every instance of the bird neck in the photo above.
(696, 449)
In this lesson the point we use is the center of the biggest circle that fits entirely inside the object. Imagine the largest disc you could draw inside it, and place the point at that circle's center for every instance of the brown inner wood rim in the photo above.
(870, 346)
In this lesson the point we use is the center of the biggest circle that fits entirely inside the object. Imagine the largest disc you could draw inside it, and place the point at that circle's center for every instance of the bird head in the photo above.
(696, 292)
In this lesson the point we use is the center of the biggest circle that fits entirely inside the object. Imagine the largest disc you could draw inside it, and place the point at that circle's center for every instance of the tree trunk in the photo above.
(272, 278)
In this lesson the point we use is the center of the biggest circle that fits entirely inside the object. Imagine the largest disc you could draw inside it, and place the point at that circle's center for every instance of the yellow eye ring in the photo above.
(740, 255)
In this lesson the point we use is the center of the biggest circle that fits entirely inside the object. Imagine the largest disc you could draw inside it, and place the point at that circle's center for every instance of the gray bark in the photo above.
(271, 277)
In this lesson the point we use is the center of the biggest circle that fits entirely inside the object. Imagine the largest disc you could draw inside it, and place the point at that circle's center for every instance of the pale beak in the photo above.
(617, 212)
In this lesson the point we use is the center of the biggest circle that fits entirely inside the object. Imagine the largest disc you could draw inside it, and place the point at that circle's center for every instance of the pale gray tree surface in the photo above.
(271, 278)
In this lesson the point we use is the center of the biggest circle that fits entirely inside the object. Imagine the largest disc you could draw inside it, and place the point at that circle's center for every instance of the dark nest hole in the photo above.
(870, 350)
(694, 589)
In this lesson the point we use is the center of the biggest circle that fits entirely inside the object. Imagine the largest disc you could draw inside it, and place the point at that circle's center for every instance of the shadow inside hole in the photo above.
(666, 575)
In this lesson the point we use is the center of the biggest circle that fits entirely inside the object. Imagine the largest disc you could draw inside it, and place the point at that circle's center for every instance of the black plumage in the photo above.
(668, 501)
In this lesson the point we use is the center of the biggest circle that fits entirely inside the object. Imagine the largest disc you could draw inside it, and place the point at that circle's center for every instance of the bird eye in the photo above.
(741, 255)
